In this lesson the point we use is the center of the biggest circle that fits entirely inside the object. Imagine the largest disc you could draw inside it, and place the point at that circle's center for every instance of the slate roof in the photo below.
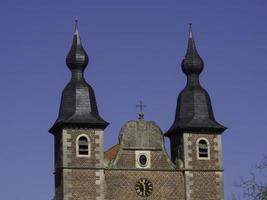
(78, 106)
(194, 110)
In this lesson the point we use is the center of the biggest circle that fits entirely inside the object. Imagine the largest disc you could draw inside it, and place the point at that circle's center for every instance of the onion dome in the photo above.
(192, 62)
(78, 108)
(77, 58)
(194, 111)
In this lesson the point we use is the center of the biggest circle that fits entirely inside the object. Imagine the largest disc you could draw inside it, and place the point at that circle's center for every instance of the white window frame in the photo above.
(77, 146)
(138, 164)
(208, 146)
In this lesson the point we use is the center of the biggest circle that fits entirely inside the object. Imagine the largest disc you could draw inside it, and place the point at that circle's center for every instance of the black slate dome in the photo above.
(194, 109)
(192, 62)
(77, 58)
(78, 106)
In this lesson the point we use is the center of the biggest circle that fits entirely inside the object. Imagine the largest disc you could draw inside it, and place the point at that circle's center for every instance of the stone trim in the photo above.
(134, 169)
(67, 184)
(220, 185)
(66, 137)
(188, 185)
(187, 150)
(99, 150)
(142, 148)
(218, 149)
(99, 155)
(138, 164)
(197, 147)
(100, 180)
(77, 146)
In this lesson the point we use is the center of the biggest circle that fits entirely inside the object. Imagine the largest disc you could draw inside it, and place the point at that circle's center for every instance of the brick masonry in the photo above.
(126, 160)
(167, 185)
(79, 178)
(190, 152)
(84, 178)
(204, 178)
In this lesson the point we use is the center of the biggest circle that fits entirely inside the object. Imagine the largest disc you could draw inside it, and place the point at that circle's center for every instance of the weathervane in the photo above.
(141, 106)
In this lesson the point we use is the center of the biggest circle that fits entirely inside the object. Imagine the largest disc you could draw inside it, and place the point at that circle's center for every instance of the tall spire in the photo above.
(78, 106)
(194, 110)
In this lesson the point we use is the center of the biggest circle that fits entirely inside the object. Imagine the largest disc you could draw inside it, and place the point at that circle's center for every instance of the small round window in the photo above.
(143, 160)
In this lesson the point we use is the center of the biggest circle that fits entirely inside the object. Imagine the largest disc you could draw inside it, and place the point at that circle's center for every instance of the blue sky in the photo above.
(135, 49)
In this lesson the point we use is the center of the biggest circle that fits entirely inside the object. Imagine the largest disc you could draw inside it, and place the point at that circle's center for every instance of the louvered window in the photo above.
(83, 146)
(203, 149)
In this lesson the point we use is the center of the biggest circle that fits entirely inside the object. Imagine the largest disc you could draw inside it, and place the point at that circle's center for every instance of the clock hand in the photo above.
(143, 183)
(145, 188)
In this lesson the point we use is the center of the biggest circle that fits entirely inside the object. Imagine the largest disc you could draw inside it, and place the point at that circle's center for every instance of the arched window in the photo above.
(203, 151)
(83, 146)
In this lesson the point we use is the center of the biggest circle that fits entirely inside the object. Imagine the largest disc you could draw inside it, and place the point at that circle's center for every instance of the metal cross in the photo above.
(141, 106)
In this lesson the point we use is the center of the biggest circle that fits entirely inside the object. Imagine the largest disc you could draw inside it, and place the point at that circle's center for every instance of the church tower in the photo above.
(78, 134)
(138, 166)
(195, 135)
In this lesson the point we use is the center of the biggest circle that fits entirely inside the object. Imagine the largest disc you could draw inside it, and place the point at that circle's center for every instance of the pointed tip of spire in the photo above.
(76, 22)
(190, 31)
(76, 30)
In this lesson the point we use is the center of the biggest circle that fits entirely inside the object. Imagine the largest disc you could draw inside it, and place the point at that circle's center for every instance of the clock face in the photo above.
(144, 187)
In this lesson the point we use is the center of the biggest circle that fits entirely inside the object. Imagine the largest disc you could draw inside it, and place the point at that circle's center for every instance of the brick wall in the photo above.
(167, 185)
(204, 178)
(96, 148)
(190, 146)
(86, 179)
(126, 160)
(79, 178)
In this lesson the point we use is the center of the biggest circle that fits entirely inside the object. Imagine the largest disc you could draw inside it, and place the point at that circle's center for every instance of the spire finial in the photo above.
(77, 57)
(192, 62)
(76, 30)
(141, 106)
(76, 24)
(190, 31)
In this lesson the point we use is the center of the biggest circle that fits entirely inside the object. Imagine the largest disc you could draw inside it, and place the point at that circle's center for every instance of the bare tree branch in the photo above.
(253, 188)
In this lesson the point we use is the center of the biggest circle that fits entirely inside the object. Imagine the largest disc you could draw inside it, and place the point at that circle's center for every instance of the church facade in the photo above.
(137, 168)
